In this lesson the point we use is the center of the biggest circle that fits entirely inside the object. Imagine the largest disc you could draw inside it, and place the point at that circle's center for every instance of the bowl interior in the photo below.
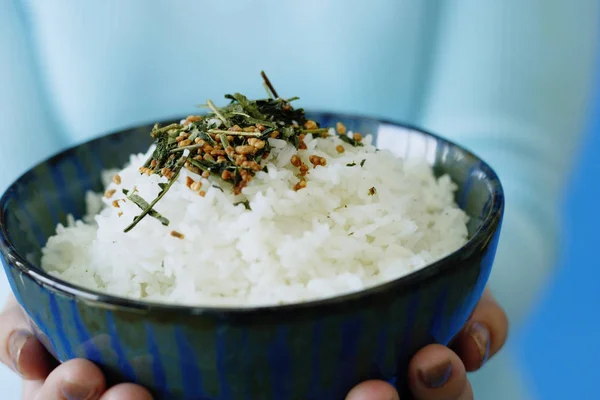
(33, 206)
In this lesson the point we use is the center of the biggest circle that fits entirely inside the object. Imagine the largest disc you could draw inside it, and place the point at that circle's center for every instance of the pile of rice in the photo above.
(365, 218)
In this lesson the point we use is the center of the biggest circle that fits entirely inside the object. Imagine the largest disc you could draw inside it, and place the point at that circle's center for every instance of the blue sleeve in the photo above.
(27, 130)
(511, 80)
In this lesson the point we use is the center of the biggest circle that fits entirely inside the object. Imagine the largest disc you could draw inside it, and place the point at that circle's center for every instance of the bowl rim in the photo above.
(491, 223)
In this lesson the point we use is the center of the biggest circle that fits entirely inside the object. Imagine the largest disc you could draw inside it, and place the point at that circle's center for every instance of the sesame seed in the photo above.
(117, 179)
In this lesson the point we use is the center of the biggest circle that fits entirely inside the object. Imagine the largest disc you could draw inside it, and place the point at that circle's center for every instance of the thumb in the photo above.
(19, 349)
(373, 390)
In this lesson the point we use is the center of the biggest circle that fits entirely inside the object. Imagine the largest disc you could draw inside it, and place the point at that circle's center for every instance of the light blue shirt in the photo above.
(509, 79)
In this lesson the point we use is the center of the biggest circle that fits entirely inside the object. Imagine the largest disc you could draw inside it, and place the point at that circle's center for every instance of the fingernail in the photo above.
(76, 391)
(16, 342)
(436, 376)
(481, 336)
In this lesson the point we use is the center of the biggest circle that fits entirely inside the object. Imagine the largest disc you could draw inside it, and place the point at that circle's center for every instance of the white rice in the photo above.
(330, 238)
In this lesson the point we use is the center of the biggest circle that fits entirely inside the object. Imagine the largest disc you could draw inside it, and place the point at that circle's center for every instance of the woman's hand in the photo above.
(440, 373)
(436, 372)
(43, 378)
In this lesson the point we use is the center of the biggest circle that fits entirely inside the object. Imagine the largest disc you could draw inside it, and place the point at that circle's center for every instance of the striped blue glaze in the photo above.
(466, 189)
(221, 354)
(351, 331)
(60, 327)
(123, 362)
(380, 352)
(52, 207)
(83, 336)
(438, 331)
(315, 389)
(190, 375)
(280, 365)
(30, 224)
(157, 367)
(226, 354)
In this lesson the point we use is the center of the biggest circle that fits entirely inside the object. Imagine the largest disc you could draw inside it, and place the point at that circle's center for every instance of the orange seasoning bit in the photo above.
(303, 170)
(316, 161)
(192, 118)
(117, 179)
(300, 185)
(109, 193)
(340, 128)
(296, 161)
(340, 149)
(177, 235)
(310, 124)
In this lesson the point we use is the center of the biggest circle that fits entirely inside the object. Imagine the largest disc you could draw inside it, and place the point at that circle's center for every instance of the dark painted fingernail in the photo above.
(482, 338)
(16, 342)
(436, 376)
(77, 391)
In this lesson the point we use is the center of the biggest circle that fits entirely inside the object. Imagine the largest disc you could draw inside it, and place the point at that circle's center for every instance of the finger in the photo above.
(31, 388)
(126, 391)
(372, 390)
(484, 334)
(75, 380)
(437, 373)
(19, 348)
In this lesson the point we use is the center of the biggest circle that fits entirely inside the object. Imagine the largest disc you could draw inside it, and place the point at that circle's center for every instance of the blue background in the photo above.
(560, 344)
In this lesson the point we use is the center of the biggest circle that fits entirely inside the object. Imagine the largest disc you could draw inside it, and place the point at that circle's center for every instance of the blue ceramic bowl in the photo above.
(316, 350)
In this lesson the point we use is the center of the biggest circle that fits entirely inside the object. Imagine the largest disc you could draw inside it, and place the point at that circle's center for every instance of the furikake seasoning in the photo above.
(228, 145)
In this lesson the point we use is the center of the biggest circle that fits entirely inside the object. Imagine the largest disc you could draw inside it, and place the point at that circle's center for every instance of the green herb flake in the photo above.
(143, 204)
(246, 204)
(350, 141)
